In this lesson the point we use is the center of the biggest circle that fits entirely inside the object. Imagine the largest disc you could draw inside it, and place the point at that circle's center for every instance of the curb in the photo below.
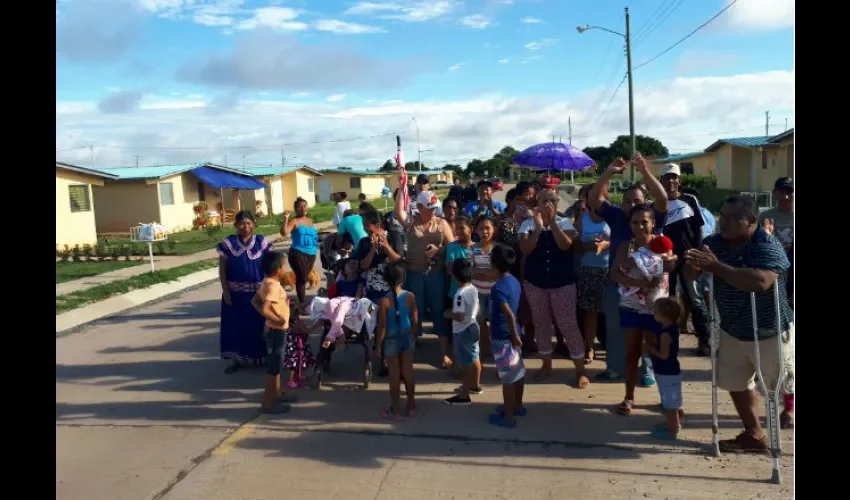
(73, 320)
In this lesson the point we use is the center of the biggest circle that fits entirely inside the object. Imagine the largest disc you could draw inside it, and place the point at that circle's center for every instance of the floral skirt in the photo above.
(297, 353)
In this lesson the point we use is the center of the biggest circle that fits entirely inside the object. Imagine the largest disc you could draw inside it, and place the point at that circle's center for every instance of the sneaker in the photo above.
(457, 401)
(647, 380)
(477, 391)
(608, 376)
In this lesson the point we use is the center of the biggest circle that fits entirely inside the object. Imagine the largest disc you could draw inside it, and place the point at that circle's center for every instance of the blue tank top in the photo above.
(589, 230)
(669, 366)
(403, 322)
(305, 239)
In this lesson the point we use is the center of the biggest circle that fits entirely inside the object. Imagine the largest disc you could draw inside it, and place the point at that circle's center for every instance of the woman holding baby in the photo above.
(641, 266)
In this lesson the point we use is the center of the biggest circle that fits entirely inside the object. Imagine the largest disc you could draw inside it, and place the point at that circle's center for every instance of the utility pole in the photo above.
(282, 158)
(570, 139)
(91, 149)
(767, 123)
(786, 125)
(137, 161)
(631, 92)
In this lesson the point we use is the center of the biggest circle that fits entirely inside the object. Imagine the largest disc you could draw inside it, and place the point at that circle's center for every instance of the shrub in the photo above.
(65, 253)
(88, 251)
(160, 248)
(116, 252)
(213, 232)
(126, 251)
(76, 253)
(101, 251)
(172, 245)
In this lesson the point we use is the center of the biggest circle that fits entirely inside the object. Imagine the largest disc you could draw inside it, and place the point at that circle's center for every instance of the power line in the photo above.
(703, 25)
(649, 20)
(230, 148)
(668, 13)
(604, 109)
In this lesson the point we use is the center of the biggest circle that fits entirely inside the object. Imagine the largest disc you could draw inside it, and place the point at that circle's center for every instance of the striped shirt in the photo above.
(762, 251)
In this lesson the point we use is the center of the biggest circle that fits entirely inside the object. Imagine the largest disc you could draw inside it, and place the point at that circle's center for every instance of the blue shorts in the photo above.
(483, 307)
(629, 318)
(466, 345)
(670, 389)
(397, 342)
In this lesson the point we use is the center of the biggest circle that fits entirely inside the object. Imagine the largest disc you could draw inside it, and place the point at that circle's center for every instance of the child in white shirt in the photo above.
(466, 333)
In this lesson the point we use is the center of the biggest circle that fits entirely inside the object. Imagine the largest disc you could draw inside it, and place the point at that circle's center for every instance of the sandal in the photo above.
(624, 408)
(583, 381)
(744, 443)
(664, 434)
(389, 414)
(589, 355)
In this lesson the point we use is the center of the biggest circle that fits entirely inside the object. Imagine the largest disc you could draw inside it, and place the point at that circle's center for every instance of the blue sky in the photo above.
(136, 77)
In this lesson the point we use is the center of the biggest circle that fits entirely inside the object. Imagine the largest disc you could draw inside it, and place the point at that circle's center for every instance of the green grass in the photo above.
(98, 293)
(69, 271)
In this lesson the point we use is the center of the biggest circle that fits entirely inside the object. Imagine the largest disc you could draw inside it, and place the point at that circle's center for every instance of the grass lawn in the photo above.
(98, 293)
(69, 271)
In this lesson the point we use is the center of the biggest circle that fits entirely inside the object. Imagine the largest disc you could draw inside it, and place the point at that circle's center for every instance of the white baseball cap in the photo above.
(671, 168)
(427, 199)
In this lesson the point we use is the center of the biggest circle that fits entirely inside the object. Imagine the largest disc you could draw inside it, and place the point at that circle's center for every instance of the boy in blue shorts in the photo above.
(663, 347)
(466, 333)
(505, 339)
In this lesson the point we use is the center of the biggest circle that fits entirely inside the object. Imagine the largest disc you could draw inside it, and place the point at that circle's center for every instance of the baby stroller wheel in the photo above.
(317, 377)
(367, 376)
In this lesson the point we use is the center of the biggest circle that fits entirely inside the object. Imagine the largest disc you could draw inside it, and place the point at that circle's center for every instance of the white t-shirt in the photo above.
(528, 225)
(341, 207)
(465, 301)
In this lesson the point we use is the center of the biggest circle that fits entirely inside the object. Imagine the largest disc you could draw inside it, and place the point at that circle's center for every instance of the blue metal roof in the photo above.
(161, 171)
(357, 172)
(680, 157)
(270, 171)
(744, 142)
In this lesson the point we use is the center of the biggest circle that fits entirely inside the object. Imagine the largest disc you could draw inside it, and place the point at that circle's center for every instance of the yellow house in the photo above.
(283, 186)
(167, 194)
(434, 176)
(697, 163)
(752, 164)
(75, 215)
(353, 182)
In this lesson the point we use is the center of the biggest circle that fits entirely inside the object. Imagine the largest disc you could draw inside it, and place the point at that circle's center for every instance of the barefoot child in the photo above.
(664, 350)
(504, 338)
(466, 333)
(271, 302)
(397, 320)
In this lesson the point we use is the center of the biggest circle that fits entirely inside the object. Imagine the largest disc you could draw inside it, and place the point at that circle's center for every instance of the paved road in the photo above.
(144, 411)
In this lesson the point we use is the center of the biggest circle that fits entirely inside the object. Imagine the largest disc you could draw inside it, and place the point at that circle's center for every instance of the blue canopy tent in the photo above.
(222, 179)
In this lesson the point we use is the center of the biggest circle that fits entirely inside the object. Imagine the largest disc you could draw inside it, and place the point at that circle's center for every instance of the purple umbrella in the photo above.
(554, 156)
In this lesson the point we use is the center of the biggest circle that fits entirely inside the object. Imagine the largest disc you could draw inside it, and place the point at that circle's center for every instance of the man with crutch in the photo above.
(746, 262)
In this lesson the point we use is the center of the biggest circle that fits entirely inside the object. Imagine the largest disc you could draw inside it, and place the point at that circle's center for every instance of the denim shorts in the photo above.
(466, 345)
(275, 340)
(397, 342)
(629, 318)
(670, 389)
(483, 307)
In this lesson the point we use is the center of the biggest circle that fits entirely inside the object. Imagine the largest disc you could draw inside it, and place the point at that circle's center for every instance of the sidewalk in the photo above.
(160, 263)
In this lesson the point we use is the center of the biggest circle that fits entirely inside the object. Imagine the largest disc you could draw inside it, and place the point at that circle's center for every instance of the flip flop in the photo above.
(499, 421)
(624, 408)
(388, 414)
(518, 412)
(582, 382)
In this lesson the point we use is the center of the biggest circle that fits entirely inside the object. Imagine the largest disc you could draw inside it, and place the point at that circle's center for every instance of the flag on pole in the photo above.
(399, 161)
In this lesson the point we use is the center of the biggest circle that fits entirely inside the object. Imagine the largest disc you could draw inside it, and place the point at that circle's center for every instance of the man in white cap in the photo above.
(683, 226)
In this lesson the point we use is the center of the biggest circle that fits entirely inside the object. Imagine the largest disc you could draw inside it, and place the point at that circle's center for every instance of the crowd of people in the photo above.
(507, 280)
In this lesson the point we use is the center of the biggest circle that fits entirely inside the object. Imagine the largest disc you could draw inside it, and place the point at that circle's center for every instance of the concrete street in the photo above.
(145, 411)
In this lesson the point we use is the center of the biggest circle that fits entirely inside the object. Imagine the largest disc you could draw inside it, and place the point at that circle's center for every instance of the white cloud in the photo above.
(504, 60)
(335, 97)
(546, 42)
(456, 66)
(342, 27)
(530, 20)
(476, 21)
(299, 95)
(410, 11)
(684, 113)
(279, 18)
(761, 15)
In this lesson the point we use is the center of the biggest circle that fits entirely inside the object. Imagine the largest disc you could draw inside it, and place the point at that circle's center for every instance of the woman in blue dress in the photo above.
(305, 245)
(239, 271)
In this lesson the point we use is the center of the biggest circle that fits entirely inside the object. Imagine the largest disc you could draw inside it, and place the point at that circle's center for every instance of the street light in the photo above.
(628, 37)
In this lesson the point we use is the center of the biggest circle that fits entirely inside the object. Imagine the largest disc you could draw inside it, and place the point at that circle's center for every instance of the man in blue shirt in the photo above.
(745, 259)
(617, 219)
(485, 205)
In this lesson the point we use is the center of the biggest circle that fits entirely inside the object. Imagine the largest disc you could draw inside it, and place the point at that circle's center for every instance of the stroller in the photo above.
(331, 259)
(363, 313)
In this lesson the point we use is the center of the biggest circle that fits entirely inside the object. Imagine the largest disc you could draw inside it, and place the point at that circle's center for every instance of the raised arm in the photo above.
(653, 184)
(288, 225)
(597, 193)
(398, 207)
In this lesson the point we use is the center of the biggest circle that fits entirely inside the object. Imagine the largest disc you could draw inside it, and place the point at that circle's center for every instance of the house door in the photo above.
(324, 190)
(202, 191)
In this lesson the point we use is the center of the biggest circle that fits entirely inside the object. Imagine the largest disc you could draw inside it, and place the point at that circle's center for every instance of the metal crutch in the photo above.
(714, 345)
(771, 397)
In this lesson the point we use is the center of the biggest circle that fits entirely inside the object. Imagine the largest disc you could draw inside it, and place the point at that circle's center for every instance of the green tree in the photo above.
(648, 146)
(601, 155)
(412, 166)
(506, 154)
(388, 166)
(458, 171)
(474, 168)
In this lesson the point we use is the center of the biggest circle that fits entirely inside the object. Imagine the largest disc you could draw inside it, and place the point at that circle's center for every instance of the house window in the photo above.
(687, 168)
(166, 193)
(354, 182)
(311, 185)
(80, 196)
(202, 192)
